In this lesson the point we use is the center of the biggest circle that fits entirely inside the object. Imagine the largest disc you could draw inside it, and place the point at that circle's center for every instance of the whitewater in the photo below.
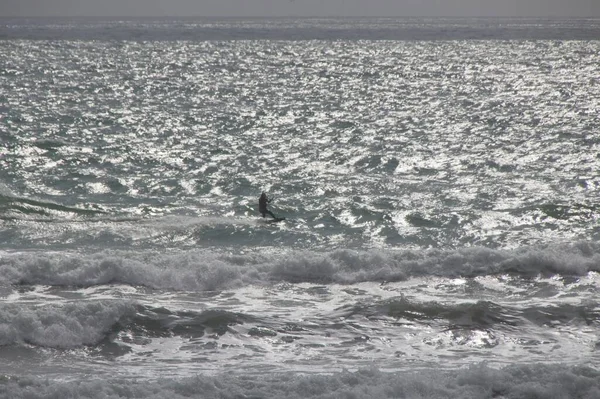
(439, 180)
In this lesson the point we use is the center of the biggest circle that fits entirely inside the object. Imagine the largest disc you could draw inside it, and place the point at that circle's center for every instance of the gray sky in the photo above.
(541, 8)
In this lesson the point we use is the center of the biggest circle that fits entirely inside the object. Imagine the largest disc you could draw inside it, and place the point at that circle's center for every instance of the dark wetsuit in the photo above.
(262, 206)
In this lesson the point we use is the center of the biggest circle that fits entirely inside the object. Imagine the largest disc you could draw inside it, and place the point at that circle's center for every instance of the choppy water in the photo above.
(441, 198)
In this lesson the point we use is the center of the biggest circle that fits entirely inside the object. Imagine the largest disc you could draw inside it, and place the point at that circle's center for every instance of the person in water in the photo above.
(262, 206)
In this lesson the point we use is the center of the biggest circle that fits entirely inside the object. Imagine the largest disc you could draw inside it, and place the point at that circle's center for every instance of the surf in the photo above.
(210, 269)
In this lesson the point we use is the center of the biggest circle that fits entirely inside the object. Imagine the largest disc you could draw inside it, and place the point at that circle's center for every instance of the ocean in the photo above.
(438, 176)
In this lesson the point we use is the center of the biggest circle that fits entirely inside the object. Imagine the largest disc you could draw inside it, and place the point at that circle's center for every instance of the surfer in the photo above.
(262, 205)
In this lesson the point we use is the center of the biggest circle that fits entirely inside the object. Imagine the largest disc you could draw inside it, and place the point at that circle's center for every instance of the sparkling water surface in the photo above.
(440, 198)
(367, 143)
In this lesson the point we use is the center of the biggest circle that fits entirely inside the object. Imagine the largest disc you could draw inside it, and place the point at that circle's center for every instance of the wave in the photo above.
(12, 208)
(477, 381)
(29, 210)
(160, 322)
(207, 270)
(61, 326)
(99, 323)
(474, 315)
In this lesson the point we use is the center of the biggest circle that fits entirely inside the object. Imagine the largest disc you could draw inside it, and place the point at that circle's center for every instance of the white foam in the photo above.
(210, 270)
(60, 326)
(475, 382)
(5, 191)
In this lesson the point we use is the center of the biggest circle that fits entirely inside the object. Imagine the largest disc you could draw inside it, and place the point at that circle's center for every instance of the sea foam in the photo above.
(60, 326)
(205, 270)
(475, 382)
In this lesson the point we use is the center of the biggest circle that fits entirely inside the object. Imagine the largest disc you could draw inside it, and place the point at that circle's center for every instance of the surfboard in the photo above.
(275, 220)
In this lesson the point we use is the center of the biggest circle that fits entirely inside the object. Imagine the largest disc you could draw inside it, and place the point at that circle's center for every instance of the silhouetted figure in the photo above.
(262, 206)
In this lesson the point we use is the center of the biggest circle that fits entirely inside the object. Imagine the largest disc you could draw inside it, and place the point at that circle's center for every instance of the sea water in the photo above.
(439, 180)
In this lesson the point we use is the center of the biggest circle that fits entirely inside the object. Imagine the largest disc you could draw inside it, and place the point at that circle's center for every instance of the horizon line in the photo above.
(308, 16)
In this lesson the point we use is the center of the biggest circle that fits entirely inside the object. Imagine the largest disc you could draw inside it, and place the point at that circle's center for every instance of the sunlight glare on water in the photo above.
(440, 198)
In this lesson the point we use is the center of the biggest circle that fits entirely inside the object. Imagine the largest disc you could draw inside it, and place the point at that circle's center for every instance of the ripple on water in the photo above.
(502, 140)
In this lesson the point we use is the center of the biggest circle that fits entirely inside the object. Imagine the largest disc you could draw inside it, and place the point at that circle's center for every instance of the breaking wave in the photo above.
(60, 326)
(206, 270)
(478, 381)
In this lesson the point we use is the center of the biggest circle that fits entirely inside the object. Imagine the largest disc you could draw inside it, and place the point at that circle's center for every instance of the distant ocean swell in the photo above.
(476, 382)
(298, 29)
(203, 270)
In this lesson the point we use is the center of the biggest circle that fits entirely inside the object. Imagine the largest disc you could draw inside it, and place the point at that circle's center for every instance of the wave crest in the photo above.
(61, 326)
(208, 271)
(477, 381)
